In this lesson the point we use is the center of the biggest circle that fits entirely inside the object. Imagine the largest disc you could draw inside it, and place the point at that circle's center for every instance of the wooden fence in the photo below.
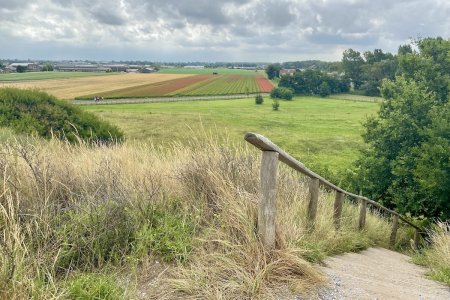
(267, 205)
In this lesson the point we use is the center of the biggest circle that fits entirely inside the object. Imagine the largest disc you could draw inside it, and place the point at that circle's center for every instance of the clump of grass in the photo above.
(94, 286)
(437, 255)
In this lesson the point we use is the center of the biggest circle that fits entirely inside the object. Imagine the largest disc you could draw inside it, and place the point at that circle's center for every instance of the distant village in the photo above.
(27, 66)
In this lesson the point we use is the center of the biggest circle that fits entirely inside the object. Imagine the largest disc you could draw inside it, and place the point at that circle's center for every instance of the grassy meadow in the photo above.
(324, 133)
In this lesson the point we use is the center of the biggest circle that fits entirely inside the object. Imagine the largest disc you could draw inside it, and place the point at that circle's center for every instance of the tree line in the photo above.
(406, 162)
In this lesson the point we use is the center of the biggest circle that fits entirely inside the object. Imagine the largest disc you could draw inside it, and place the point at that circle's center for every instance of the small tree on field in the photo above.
(259, 99)
(47, 67)
(21, 69)
(275, 104)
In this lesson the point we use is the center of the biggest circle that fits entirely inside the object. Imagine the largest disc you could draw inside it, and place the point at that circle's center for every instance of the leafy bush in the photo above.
(282, 93)
(34, 112)
(275, 104)
(259, 99)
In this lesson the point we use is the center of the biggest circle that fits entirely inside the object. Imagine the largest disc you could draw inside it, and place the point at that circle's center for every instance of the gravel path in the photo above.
(164, 99)
(378, 273)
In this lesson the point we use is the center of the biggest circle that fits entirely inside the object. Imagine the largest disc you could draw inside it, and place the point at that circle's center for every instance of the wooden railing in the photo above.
(267, 205)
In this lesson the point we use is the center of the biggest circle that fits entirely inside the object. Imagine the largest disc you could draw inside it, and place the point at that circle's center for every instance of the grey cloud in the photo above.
(226, 28)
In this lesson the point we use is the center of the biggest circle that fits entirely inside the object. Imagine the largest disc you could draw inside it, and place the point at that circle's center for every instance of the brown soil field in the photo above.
(71, 88)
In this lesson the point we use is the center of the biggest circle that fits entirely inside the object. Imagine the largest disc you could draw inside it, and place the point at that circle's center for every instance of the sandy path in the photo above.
(379, 274)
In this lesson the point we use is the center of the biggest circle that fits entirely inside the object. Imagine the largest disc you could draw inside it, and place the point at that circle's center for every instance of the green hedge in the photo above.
(35, 112)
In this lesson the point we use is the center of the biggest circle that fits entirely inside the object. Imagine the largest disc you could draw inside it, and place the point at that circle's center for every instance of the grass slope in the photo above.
(321, 132)
(73, 217)
(47, 75)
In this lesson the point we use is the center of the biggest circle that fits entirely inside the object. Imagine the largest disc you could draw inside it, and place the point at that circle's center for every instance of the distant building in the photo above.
(147, 70)
(194, 67)
(285, 72)
(29, 66)
(81, 68)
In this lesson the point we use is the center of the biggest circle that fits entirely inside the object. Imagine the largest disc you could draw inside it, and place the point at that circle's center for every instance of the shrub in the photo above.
(324, 89)
(34, 112)
(94, 286)
(275, 104)
(282, 93)
(259, 99)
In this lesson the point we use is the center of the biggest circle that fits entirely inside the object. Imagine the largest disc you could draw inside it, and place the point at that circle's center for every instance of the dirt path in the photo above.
(378, 273)
(164, 99)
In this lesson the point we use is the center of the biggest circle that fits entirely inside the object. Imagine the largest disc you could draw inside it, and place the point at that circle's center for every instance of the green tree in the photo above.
(259, 99)
(47, 67)
(273, 70)
(352, 63)
(21, 69)
(324, 89)
(407, 163)
(282, 93)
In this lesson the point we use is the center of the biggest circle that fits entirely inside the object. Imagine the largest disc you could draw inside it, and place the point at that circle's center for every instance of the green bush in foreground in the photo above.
(34, 112)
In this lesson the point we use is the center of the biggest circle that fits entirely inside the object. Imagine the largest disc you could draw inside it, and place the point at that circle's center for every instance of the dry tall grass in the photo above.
(68, 209)
(437, 255)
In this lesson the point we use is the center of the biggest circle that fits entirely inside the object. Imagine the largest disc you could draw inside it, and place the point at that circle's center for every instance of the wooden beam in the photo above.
(265, 144)
(338, 201)
(267, 204)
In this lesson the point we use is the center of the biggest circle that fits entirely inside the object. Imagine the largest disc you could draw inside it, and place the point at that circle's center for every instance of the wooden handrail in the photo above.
(266, 145)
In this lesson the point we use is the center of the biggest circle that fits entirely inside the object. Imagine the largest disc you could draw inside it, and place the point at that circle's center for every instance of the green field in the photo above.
(222, 85)
(221, 71)
(319, 132)
(28, 76)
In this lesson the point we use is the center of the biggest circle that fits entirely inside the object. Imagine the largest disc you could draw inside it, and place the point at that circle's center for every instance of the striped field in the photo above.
(148, 85)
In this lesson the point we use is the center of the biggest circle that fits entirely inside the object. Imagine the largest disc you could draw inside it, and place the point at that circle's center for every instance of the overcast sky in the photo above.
(213, 30)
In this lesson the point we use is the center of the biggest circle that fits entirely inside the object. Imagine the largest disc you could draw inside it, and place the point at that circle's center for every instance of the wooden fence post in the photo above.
(362, 214)
(267, 204)
(313, 199)
(394, 231)
(416, 239)
(338, 201)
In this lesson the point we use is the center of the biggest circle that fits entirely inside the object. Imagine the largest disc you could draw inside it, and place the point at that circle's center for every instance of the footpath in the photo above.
(164, 99)
(379, 273)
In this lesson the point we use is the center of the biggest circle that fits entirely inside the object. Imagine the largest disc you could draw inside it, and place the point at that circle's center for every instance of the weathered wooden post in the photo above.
(394, 231)
(267, 204)
(338, 201)
(416, 239)
(362, 214)
(313, 199)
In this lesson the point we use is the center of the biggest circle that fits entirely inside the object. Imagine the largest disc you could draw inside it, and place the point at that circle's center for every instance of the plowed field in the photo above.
(98, 85)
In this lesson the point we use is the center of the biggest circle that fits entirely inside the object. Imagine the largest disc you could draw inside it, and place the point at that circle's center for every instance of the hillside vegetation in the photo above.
(133, 220)
(32, 112)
